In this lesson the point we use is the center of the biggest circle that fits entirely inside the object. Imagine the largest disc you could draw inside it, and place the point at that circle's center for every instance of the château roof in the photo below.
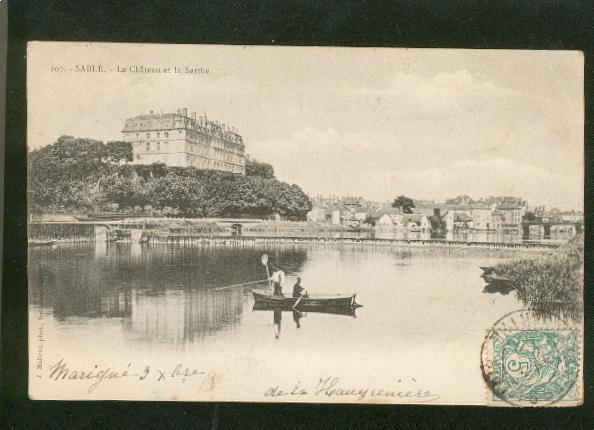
(508, 206)
(169, 121)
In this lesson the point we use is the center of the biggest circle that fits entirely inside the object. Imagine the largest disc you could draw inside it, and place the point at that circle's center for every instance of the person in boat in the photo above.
(298, 289)
(277, 278)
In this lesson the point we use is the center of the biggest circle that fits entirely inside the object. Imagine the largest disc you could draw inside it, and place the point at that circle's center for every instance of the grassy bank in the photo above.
(552, 284)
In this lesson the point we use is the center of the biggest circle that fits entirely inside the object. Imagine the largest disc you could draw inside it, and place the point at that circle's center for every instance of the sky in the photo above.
(374, 122)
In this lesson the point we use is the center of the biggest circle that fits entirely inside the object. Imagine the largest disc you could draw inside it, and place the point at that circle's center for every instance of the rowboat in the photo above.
(308, 302)
(344, 310)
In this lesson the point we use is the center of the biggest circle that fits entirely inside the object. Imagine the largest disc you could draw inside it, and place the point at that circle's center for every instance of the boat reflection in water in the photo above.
(277, 313)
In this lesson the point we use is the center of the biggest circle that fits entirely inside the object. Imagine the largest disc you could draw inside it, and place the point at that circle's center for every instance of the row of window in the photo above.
(157, 146)
(197, 162)
(197, 148)
(148, 135)
(205, 163)
(203, 151)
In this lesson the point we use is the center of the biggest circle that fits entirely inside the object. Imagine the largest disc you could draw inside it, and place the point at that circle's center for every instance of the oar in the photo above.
(298, 300)
(264, 260)
(237, 285)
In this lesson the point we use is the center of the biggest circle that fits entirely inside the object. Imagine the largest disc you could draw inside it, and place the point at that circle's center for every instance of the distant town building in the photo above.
(504, 218)
(573, 216)
(386, 216)
(457, 220)
(177, 139)
(512, 213)
(562, 231)
(500, 200)
(509, 232)
(336, 216)
(482, 218)
(536, 232)
(460, 200)
(319, 214)
(415, 222)
(497, 218)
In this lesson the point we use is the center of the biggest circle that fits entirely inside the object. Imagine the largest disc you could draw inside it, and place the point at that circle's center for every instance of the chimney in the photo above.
(185, 111)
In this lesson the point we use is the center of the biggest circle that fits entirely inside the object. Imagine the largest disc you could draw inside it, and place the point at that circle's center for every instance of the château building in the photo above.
(177, 139)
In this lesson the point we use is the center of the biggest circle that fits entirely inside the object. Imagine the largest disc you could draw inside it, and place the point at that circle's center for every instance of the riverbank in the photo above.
(551, 284)
(248, 242)
(236, 232)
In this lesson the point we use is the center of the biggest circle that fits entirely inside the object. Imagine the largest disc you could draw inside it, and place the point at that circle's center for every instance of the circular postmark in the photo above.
(530, 360)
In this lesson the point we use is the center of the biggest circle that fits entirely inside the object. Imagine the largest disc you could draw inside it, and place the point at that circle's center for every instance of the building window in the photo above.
(158, 134)
(166, 134)
(137, 135)
(148, 146)
(148, 135)
(158, 146)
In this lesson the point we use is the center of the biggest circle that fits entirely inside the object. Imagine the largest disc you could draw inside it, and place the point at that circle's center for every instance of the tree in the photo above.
(65, 173)
(123, 189)
(151, 171)
(77, 173)
(257, 168)
(178, 192)
(119, 151)
(406, 204)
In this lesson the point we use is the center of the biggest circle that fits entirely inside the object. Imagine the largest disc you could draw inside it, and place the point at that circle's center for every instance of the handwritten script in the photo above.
(96, 375)
(332, 387)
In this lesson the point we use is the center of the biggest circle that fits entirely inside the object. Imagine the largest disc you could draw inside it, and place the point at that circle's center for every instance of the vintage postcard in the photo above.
(305, 224)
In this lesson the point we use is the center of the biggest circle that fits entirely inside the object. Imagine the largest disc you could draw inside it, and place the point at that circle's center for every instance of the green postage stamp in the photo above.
(532, 361)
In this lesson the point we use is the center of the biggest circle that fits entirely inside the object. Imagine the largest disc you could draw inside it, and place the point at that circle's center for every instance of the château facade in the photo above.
(177, 139)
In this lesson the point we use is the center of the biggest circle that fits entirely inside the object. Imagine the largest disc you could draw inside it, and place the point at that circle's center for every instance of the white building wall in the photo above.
(178, 147)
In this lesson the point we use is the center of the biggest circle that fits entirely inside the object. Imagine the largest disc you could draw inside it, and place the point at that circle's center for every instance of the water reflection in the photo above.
(277, 315)
(165, 292)
(158, 298)
(297, 317)
(277, 320)
(182, 315)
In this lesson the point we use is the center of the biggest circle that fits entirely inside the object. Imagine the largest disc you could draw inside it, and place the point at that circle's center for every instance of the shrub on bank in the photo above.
(552, 284)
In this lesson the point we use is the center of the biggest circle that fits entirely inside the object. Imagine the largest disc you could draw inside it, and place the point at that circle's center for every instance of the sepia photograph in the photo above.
(305, 224)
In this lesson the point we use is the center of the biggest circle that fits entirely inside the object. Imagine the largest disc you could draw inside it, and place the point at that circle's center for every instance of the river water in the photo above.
(423, 319)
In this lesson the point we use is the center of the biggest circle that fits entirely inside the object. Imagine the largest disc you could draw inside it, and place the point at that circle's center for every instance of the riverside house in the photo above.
(459, 218)
(482, 219)
(414, 222)
(386, 216)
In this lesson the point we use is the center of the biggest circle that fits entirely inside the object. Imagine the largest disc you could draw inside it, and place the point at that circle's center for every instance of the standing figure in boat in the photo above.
(277, 278)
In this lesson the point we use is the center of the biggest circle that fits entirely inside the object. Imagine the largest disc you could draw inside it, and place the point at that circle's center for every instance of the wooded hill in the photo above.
(80, 175)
